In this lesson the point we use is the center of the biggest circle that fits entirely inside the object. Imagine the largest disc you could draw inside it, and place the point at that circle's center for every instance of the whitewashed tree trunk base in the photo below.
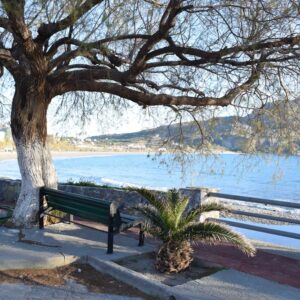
(37, 170)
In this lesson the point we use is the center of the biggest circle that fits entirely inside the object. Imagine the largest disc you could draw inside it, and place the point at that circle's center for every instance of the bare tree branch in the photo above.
(46, 30)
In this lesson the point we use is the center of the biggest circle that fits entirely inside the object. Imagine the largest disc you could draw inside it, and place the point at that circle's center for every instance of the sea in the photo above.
(266, 176)
(263, 176)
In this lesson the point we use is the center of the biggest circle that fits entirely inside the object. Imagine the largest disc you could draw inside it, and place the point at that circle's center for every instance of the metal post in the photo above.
(71, 218)
(41, 209)
(110, 237)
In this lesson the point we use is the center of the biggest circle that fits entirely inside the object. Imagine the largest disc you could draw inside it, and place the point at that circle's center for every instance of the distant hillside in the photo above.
(277, 129)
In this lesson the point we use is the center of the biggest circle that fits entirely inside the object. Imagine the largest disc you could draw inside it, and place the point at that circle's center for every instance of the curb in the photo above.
(45, 263)
(139, 281)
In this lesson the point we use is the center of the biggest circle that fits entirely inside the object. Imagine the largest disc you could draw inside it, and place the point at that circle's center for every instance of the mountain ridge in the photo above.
(273, 131)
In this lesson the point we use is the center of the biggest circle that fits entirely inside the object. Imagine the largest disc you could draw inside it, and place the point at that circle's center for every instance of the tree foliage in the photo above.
(184, 55)
(156, 52)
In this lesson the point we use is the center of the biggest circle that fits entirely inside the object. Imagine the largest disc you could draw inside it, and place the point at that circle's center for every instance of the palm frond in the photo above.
(179, 210)
(151, 214)
(153, 223)
(195, 213)
(212, 233)
(212, 206)
(152, 199)
(172, 198)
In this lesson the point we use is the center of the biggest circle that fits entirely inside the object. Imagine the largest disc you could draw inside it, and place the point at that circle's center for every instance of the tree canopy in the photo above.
(194, 53)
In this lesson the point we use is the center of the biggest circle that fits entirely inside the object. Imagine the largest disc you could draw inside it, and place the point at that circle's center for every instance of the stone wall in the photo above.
(9, 191)
(124, 198)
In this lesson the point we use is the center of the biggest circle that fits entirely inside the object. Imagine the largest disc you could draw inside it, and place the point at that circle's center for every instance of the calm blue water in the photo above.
(269, 176)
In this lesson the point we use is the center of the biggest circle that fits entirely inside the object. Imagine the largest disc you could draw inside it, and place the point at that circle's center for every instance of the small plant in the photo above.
(84, 182)
(168, 220)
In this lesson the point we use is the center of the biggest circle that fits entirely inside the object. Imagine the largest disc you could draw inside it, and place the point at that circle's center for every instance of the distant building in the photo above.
(5, 135)
(136, 146)
(2, 135)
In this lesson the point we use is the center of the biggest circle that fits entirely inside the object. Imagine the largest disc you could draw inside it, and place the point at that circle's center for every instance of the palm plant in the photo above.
(169, 220)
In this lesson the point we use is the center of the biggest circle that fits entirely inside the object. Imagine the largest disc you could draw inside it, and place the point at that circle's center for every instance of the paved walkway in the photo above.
(267, 276)
(234, 285)
(272, 262)
(270, 266)
(63, 244)
(69, 292)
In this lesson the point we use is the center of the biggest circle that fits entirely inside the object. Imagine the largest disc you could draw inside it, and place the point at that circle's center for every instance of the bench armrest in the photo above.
(128, 221)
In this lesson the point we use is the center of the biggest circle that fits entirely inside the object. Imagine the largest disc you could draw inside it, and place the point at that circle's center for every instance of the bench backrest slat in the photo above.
(82, 206)
(79, 198)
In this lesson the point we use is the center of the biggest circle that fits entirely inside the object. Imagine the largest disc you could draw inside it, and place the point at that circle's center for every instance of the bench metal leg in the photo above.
(41, 220)
(41, 211)
(141, 236)
(110, 240)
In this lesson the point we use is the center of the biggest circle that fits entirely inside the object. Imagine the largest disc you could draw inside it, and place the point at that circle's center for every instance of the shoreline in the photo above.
(293, 214)
(72, 154)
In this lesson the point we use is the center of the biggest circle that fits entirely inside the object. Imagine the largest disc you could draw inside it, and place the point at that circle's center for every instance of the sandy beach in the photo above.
(61, 154)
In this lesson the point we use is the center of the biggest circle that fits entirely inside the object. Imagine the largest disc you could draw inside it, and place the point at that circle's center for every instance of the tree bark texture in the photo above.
(29, 130)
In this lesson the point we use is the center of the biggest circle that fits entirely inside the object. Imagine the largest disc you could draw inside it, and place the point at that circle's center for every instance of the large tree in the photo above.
(182, 54)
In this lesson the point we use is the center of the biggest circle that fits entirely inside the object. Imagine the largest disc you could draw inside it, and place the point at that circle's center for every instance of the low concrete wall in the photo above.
(10, 189)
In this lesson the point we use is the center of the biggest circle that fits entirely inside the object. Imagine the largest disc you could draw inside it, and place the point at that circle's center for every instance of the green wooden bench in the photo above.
(89, 208)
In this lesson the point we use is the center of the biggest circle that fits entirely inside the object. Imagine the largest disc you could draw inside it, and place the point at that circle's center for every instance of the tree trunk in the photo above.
(174, 257)
(29, 131)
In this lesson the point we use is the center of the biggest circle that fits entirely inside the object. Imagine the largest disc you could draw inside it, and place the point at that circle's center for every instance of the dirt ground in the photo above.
(81, 273)
(144, 264)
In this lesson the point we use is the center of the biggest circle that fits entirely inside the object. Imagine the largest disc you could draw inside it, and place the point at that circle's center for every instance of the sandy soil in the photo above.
(84, 274)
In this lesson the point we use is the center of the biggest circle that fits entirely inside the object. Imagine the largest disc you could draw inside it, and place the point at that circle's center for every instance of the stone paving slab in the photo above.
(70, 242)
(10, 291)
(63, 244)
(234, 285)
(223, 285)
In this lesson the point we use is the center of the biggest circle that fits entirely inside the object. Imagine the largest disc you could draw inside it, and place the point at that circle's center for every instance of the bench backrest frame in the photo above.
(86, 207)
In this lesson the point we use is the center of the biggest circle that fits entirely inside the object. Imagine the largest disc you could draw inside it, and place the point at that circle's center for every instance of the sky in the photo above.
(109, 121)
(132, 119)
